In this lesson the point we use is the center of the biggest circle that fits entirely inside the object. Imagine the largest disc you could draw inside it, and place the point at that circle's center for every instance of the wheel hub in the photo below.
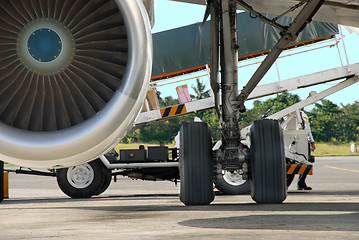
(234, 179)
(80, 176)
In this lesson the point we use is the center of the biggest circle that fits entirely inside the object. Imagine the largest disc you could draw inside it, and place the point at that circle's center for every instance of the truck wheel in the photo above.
(83, 181)
(232, 184)
(196, 164)
(267, 162)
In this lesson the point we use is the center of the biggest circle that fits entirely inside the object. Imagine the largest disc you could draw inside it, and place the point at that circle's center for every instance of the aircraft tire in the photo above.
(85, 180)
(196, 164)
(232, 184)
(268, 175)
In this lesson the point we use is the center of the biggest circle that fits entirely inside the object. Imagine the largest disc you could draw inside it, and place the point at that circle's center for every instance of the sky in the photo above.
(169, 15)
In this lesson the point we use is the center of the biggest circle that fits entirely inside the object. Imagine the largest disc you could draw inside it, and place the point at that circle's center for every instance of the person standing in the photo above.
(303, 124)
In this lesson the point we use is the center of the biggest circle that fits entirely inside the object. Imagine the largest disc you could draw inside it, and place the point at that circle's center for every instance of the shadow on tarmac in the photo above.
(173, 203)
(298, 222)
(156, 197)
(307, 216)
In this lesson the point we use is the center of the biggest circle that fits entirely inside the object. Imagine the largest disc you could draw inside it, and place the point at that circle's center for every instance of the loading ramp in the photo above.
(345, 72)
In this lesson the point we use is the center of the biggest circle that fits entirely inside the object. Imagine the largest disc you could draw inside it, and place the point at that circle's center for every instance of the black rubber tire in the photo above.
(229, 188)
(97, 185)
(196, 164)
(267, 164)
(107, 177)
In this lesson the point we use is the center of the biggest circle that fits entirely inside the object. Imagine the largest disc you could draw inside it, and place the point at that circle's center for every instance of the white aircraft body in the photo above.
(344, 12)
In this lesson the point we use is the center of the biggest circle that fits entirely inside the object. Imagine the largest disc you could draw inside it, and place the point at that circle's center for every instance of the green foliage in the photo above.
(329, 122)
(325, 121)
(280, 102)
(210, 117)
(156, 132)
(167, 101)
(199, 90)
(350, 122)
(166, 130)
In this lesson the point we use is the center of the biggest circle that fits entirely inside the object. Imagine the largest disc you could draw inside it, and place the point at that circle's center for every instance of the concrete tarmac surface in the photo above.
(135, 209)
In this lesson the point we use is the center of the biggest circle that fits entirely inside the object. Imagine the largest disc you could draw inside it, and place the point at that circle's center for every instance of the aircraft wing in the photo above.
(345, 12)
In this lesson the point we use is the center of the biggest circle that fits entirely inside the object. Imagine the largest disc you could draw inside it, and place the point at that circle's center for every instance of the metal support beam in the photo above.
(261, 17)
(305, 81)
(299, 23)
(312, 98)
(214, 62)
(315, 97)
(262, 90)
(229, 84)
(113, 166)
(229, 56)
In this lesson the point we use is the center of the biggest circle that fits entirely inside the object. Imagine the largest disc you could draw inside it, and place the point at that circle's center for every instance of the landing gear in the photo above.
(196, 164)
(232, 183)
(265, 165)
(85, 180)
(267, 162)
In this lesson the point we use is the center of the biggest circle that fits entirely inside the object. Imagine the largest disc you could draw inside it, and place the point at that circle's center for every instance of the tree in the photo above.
(325, 121)
(199, 90)
(167, 101)
(349, 123)
(280, 102)
(166, 130)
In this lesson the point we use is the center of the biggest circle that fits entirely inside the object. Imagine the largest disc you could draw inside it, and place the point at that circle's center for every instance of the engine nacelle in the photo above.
(74, 74)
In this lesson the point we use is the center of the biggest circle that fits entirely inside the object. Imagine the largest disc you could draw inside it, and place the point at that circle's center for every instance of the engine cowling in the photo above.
(74, 74)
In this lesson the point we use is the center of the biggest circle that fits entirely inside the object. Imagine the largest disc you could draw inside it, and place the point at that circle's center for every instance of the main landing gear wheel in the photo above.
(232, 183)
(268, 173)
(196, 164)
(85, 180)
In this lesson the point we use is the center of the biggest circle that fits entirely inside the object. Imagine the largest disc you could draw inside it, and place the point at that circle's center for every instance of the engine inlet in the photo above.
(61, 61)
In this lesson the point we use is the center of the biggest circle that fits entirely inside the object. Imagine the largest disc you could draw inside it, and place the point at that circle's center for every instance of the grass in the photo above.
(333, 149)
(322, 149)
(136, 145)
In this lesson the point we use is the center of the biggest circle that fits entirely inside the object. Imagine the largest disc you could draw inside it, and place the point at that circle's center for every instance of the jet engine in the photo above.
(73, 77)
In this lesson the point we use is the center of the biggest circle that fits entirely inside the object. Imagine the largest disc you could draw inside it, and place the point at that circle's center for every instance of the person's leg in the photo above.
(301, 185)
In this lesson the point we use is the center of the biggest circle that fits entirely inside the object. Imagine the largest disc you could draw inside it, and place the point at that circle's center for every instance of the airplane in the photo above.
(75, 74)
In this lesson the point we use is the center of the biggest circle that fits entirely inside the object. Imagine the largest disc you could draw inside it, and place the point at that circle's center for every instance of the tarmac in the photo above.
(135, 209)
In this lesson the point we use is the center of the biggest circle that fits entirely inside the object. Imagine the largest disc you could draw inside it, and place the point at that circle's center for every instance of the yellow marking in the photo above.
(184, 109)
(343, 169)
(291, 169)
(173, 111)
(310, 171)
(6, 185)
(162, 110)
(302, 169)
